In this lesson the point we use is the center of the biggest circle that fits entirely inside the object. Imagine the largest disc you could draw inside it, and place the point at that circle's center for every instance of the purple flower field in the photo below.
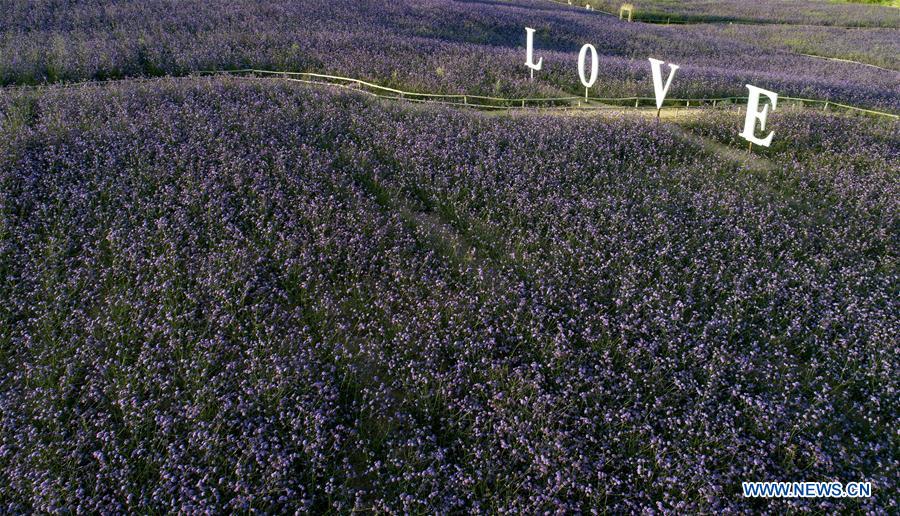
(233, 294)
(222, 295)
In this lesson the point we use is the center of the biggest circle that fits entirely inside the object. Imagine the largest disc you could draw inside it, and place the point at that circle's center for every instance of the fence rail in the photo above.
(475, 101)
(569, 102)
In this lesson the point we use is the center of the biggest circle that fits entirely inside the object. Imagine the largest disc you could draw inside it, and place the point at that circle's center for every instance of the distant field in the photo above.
(877, 13)
(879, 47)
(889, 3)
(438, 46)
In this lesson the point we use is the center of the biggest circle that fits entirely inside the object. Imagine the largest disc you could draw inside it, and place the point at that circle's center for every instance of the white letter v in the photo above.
(657, 81)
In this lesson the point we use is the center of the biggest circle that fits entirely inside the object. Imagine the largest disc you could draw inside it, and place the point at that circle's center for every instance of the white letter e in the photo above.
(754, 114)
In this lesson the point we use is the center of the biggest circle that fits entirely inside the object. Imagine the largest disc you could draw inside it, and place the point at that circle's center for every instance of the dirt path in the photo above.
(675, 117)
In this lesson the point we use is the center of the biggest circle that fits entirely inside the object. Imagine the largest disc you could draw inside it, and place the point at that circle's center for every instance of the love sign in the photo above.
(587, 73)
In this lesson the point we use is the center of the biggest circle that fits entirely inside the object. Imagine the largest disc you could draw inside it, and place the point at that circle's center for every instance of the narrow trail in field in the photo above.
(841, 60)
(437, 233)
(675, 117)
(744, 158)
